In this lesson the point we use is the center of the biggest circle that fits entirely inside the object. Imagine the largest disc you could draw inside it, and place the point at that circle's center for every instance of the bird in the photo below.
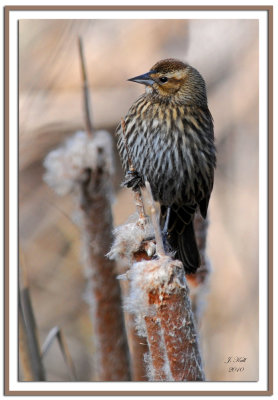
(168, 139)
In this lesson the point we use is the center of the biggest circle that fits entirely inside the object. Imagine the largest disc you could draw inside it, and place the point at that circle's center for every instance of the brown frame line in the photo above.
(269, 10)
(139, 8)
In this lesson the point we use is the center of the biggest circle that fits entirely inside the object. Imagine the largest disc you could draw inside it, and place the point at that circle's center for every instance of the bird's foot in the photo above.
(133, 180)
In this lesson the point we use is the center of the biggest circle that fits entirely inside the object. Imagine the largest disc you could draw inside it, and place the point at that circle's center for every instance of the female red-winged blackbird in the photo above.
(169, 141)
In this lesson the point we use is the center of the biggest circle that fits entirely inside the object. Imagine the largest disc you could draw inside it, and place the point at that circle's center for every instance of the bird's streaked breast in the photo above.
(168, 147)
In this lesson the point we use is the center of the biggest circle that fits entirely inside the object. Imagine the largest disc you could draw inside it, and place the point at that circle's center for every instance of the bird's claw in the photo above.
(133, 180)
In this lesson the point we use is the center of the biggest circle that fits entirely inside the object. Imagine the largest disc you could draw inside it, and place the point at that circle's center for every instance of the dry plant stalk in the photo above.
(85, 165)
(56, 333)
(25, 356)
(179, 333)
(86, 93)
(164, 316)
(111, 361)
(29, 348)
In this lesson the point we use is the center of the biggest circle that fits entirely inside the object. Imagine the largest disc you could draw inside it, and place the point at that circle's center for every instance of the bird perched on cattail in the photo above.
(169, 141)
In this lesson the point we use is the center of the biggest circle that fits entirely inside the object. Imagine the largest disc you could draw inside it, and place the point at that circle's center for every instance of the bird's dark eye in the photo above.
(163, 79)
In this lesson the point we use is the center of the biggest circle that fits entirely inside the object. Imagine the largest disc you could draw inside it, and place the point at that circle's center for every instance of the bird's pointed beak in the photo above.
(145, 79)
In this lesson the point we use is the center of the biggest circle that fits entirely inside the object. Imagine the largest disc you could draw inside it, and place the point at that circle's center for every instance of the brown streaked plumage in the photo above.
(170, 141)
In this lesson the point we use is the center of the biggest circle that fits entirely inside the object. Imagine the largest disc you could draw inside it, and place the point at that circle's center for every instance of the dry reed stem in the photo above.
(29, 329)
(24, 351)
(56, 333)
(86, 93)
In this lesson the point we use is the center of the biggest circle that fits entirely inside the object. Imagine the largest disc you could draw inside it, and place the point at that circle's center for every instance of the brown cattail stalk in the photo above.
(159, 300)
(85, 165)
(111, 359)
(163, 314)
(179, 333)
(157, 368)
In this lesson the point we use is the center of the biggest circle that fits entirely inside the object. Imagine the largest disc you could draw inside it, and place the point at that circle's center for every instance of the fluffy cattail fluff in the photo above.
(66, 166)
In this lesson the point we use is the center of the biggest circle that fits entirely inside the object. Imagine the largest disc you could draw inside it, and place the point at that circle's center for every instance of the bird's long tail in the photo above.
(181, 237)
(187, 250)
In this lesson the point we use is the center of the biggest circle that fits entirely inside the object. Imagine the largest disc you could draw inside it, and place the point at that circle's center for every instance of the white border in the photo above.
(13, 251)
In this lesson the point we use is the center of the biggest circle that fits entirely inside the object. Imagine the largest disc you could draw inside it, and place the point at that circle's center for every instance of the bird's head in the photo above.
(175, 81)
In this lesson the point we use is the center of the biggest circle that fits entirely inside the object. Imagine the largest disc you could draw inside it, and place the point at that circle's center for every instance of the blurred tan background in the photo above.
(50, 106)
